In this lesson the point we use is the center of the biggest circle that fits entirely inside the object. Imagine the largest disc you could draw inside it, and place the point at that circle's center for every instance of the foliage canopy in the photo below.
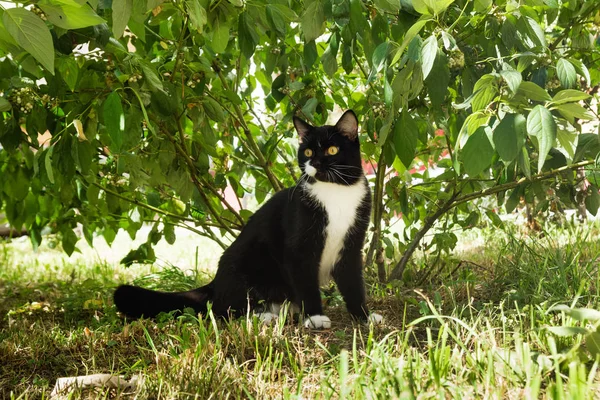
(170, 102)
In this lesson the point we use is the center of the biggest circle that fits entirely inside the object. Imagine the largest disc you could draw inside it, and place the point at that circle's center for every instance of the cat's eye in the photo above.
(333, 150)
(308, 153)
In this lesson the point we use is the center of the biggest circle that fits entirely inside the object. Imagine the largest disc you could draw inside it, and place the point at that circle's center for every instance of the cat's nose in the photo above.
(316, 164)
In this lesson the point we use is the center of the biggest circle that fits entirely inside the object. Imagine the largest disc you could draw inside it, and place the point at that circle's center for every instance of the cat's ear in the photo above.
(302, 127)
(347, 125)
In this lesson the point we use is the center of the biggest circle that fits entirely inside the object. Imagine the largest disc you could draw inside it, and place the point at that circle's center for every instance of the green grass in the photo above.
(477, 328)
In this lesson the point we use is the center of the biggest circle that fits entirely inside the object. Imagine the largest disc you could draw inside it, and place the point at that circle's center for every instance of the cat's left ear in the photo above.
(347, 125)
(302, 127)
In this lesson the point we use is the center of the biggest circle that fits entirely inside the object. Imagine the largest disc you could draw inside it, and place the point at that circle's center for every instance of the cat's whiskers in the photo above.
(346, 166)
(340, 173)
(301, 181)
(340, 176)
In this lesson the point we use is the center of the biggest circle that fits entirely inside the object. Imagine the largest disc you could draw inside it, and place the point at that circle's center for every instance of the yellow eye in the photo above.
(333, 150)
(308, 153)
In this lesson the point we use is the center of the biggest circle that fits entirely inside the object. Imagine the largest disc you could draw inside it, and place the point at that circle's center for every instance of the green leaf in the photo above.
(220, 36)
(477, 153)
(329, 58)
(114, 120)
(169, 233)
(247, 36)
(67, 67)
(569, 96)
(567, 143)
(310, 53)
(313, 21)
(69, 14)
(197, 14)
(592, 343)
(428, 54)
(592, 201)
(533, 92)
(420, 6)
(509, 136)
(32, 34)
(121, 11)
(4, 105)
(358, 22)
(438, 80)
(438, 6)
(484, 92)
(150, 75)
(523, 162)
(536, 31)
(567, 331)
(213, 110)
(410, 35)
(482, 6)
(540, 123)
(391, 6)
(277, 84)
(579, 314)
(406, 133)
(513, 79)
(279, 17)
(379, 56)
(69, 239)
(566, 73)
(573, 110)
(142, 255)
(581, 69)
(48, 165)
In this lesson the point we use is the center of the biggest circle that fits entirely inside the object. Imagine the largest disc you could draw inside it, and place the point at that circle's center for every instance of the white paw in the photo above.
(317, 322)
(375, 318)
(267, 317)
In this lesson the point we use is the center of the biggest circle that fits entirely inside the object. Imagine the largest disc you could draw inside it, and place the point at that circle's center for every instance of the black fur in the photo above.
(277, 255)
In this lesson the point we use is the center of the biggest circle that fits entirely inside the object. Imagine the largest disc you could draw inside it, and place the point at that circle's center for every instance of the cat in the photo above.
(296, 242)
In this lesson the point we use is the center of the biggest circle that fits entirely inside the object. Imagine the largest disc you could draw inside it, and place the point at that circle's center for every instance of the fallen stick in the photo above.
(67, 384)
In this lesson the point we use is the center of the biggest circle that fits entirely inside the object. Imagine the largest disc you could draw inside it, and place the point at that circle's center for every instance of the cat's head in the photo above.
(330, 153)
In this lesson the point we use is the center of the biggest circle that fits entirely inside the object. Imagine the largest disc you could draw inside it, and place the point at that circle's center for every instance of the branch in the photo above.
(427, 224)
(203, 181)
(195, 179)
(377, 213)
(455, 200)
(251, 142)
(288, 164)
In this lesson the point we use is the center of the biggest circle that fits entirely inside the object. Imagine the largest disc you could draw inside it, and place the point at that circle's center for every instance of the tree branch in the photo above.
(251, 142)
(455, 200)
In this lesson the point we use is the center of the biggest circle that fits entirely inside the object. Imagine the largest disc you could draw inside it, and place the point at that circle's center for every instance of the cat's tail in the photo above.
(136, 302)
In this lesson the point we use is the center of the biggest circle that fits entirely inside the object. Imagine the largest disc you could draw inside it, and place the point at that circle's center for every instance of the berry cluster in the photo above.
(194, 80)
(378, 109)
(134, 77)
(22, 99)
(38, 11)
(553, 83)
(456, 59)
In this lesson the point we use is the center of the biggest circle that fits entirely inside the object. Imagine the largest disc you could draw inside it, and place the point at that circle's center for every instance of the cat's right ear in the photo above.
(302, 127)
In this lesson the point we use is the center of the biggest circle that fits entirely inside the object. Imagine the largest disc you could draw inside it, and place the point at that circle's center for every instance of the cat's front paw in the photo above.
(267, 317)
(375, 318)
(317, 322)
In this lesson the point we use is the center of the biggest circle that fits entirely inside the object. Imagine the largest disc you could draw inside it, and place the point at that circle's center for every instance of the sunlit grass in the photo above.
(476, 328)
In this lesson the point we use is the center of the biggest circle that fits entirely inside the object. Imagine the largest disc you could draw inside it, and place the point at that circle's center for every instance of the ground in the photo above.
(480, 326)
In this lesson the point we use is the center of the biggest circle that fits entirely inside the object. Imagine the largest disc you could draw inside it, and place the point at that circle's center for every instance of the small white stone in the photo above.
(267, 317)
(375, 318)
(317, 322)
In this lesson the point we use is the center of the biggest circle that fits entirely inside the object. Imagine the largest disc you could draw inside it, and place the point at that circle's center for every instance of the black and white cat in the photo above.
(296, 242)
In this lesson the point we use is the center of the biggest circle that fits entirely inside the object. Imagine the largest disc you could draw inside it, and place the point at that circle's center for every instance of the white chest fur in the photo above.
(341, 204)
